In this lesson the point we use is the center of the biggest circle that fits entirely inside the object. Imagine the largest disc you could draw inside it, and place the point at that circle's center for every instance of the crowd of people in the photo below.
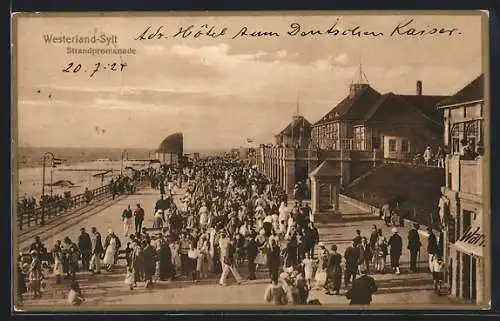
(119, 185)
(29, 204)
(219, 216)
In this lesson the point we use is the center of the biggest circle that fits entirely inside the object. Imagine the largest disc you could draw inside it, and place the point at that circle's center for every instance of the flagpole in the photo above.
(51, 176)
(42, 219)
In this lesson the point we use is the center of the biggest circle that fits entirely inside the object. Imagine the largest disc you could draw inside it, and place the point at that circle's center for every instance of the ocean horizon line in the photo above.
(122, 148)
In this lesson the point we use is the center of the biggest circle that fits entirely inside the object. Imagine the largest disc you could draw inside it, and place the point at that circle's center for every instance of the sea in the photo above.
(80, 167)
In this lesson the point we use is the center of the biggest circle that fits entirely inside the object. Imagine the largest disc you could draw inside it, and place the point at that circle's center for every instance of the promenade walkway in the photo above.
(107, 290)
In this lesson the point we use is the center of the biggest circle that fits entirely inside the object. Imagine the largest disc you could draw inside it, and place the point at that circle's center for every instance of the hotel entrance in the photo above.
(302, 175)
(469, 253)
(469, 286)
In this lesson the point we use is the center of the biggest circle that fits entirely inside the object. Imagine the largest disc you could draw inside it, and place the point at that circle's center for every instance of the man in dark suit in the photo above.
(315, 238)
(357, 239)
(373, 238)
(414, 247)
(334, 271)
(432, 246)
(396, 248)
(97, 250)
(139, 218)
(351, 256)
(251, 250)
(274, 260)
(365, 253)
(362, 289)
(85, 246)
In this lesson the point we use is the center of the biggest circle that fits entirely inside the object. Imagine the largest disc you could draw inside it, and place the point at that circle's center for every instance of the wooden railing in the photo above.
(42, 214)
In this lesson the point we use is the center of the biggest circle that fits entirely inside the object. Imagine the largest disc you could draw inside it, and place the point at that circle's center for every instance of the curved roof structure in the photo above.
(173, 144)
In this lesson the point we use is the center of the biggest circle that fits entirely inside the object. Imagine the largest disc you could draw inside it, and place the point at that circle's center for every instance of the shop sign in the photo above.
(473, 236)
(472, 241)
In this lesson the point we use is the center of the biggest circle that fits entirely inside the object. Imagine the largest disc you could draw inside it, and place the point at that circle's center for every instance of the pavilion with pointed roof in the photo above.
(297, 133)
(325, 189)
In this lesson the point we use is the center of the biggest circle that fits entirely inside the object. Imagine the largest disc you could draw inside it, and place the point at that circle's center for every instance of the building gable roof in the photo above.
(352, 108)
(426, 104)
(325, 170)
(422, 106)
(473, 91)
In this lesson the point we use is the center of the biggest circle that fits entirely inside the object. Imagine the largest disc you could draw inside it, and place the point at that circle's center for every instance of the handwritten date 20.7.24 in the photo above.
(91, 70)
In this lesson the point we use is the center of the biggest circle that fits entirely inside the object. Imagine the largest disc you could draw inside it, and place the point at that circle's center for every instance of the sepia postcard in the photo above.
(261, 161)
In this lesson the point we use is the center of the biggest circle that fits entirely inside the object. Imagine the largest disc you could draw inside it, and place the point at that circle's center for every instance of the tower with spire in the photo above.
(298, 131)
(360, 82)
(296, 115)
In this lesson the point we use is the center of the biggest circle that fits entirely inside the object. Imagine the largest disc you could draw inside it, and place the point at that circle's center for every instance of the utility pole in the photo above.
(123, 153)
(51, 177)
(47, 154)
(43, 191)
(341, 163)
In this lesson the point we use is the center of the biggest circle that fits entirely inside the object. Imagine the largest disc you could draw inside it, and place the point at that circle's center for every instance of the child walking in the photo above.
(437, 273)
(308, 264)
(129, 278)
(75, 296)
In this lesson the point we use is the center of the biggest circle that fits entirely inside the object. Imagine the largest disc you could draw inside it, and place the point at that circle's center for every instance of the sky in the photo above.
(221, 91)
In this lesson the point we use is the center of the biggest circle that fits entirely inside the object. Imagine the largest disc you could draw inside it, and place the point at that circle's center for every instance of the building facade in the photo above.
(461, 205)
(397, 125)
(357, 134)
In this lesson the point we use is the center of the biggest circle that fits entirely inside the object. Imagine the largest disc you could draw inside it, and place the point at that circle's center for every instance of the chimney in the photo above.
(355, 89)
(419, 88)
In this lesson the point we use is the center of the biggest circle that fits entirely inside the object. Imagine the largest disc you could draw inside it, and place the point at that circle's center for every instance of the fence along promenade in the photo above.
(42, 214)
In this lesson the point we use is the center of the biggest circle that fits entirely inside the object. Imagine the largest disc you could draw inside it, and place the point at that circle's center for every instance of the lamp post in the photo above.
(51, 177)
(374, 157)
(341, 162)
(123, 153)
(51, 155)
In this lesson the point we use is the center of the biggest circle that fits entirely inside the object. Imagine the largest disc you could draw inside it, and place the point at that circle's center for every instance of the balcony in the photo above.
(465, 175)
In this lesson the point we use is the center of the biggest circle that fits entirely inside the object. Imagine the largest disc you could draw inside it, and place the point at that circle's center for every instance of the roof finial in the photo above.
(362, 76)
(297, 110)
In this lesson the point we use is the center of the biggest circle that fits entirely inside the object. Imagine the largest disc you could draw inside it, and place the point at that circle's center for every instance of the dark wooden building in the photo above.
(396, 125)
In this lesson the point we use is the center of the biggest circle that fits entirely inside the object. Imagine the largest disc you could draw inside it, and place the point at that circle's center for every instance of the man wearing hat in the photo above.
(139, 218)
(97, 250)
(351, 256)
(38, 247)
(85, 246)
(127, 221)
(396, 248)
(432, 246)
(251, 250)
(273, 259)
(414, 246)
(362, 289)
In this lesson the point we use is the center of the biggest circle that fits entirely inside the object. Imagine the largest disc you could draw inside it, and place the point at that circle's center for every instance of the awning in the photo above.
(469, 249)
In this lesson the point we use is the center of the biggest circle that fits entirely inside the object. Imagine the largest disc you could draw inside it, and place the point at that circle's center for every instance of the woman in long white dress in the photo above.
(58, 263)
(109, 256)
(158, 219)
(176, 257)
